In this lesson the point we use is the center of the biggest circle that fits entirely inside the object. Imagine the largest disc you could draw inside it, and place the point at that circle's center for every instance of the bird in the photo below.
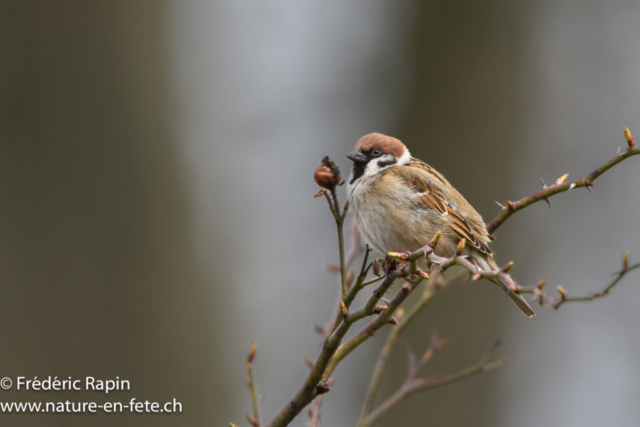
(401, 202)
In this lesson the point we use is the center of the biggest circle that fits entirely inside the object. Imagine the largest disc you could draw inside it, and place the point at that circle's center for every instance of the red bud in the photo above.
(327, 174)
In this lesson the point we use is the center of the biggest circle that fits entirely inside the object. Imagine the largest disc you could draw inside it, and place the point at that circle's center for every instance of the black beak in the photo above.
(357, 157)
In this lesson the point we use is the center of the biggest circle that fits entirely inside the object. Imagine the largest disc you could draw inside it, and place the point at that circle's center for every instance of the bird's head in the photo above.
(375, 152)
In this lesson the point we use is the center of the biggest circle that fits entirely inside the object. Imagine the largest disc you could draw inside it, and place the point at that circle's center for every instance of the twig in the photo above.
(393, 335)
(340, 223)
(430, 383)
(359, 283)
(316, 383)
(356, 245)
(255, 419)
(356, 249)
(562, 297)
(369, 282)
(457, 259)
(368, 331)
(414, 384)
(314, 411)
(332, 353)
(314, 408)
(561, 186)
(339, 216)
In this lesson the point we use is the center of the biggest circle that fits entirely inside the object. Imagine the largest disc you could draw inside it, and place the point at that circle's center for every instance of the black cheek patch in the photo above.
(358, 171)
(385, 163)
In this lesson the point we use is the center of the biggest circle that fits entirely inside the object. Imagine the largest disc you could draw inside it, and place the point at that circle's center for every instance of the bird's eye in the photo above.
(376, 152)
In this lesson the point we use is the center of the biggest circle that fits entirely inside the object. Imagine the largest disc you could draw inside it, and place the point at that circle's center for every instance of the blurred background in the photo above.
(156, 210)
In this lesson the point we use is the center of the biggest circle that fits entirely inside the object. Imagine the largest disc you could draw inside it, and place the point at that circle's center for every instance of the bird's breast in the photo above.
(389, 217)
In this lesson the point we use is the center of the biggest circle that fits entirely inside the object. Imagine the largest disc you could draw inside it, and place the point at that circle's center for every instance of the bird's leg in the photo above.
(390, 264)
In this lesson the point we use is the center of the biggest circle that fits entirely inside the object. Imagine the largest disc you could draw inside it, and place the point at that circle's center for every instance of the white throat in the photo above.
(375, 166)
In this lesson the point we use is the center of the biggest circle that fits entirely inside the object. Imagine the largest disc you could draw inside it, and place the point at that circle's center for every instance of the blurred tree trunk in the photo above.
(462, 120)
(98, 275)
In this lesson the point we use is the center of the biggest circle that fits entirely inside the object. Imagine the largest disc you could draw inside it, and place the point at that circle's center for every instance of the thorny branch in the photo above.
(562, 297)
(404, 321)
(414, 384)
(560, 186)
(333, 351)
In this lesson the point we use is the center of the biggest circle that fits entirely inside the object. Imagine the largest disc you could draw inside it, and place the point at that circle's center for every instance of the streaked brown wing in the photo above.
(419, 164)
(425, 182)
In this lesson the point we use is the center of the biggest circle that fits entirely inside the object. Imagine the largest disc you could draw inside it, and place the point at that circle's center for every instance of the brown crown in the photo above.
(386, 144)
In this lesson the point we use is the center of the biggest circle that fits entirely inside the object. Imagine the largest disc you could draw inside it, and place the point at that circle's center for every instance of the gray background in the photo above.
(156, 217)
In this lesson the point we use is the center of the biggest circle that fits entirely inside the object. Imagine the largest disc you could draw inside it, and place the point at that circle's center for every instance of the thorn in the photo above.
(543, 184)
(309, 362)
(539, 296)
(320, 192)
(349, 280)
(619, 151)
(320, 330)
(562, 179)
(548, 203)
(500, 204)
(332, 267)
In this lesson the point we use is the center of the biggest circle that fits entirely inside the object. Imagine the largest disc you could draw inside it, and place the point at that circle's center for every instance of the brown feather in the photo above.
(429, 183)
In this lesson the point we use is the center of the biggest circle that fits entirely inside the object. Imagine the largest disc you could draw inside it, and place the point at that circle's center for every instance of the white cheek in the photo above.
(405, 158)
(373, 167)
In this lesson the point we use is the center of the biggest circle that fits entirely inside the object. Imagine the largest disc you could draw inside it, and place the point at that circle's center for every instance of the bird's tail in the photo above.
(522, 304)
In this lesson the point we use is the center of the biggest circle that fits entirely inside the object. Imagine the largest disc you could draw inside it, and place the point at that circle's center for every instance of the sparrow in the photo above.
(401, 202)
